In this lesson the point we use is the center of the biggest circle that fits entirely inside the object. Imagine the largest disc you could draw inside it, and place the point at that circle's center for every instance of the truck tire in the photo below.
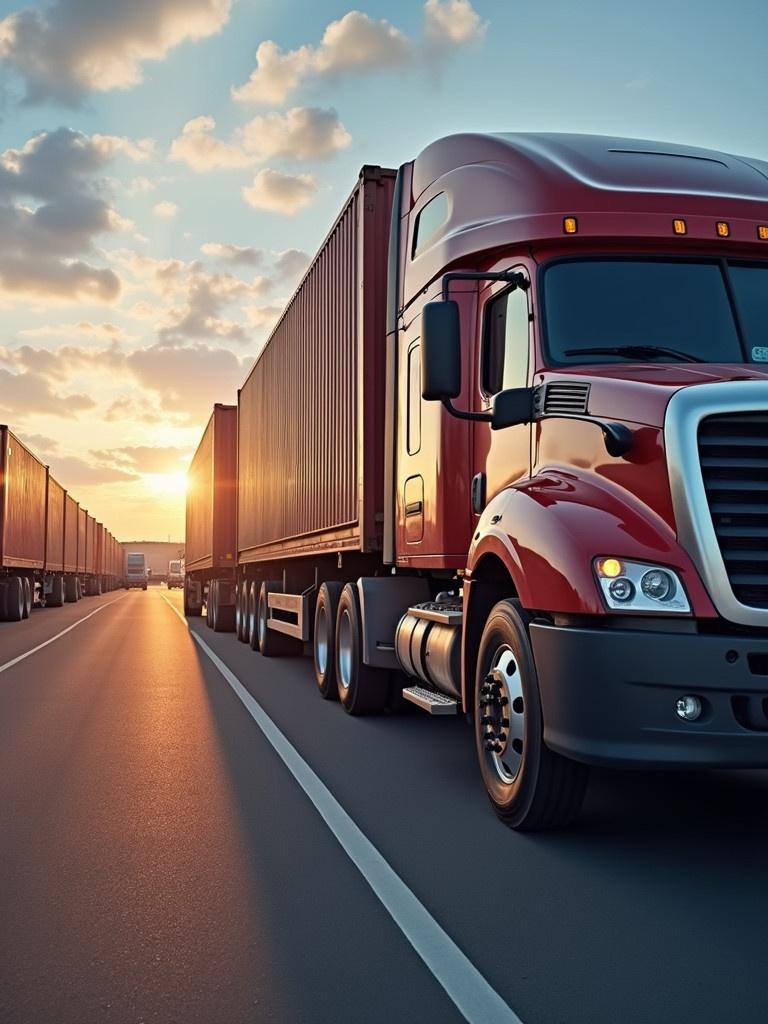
(78, 588)
(362, 690)
(28, 596)
(223, 614)
(14, 599)
(271, 643)
(241, 614)
(324, 639)
(70, 589)
(190, 610)
(530, 787)
(209, 602)
(57, 596)
(253, 606)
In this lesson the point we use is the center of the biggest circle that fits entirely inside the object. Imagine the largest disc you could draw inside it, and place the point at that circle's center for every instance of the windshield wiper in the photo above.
(635, 352)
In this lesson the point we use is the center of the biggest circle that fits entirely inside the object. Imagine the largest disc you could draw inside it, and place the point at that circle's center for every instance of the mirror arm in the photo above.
(483, 417)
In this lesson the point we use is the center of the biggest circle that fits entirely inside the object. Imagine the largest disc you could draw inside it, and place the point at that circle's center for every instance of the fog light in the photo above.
(689, 708)
(621, 589)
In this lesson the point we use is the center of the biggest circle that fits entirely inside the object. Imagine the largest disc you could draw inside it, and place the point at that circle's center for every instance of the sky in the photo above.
(168, 167)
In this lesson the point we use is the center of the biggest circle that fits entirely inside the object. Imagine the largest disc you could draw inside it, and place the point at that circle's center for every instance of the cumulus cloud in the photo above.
(358, 43)
(264, 317)
(280, 193)
(166, 209)
(29, 394)
(451, 22)
(354, 42)
(76, 472)
(146, 458)
(187, 376)
(234, 254)
(129, 407)
(83, 328)
(302, 133)
(291, 262)
(73, 47)
(40, 444)
(52, 208)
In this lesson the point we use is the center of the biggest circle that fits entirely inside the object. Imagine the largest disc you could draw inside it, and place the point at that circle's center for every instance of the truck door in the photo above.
(500, 457)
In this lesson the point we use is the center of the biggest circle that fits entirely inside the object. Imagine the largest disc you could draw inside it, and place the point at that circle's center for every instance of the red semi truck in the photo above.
(519, 454)
(51, 550)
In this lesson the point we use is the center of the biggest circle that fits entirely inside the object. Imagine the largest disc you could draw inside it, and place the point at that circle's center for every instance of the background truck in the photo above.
(518, 454)
(51, 550)
(136, 571)
(175, 577)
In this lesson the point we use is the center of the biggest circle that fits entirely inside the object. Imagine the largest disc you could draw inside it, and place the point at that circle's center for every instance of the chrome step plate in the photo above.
(428, 700)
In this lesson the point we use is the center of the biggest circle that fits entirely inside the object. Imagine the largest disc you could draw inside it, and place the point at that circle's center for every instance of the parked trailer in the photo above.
(211, 540)
(524, 485)
(43, 534)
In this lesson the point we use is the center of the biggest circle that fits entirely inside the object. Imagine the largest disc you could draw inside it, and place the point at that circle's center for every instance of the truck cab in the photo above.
(578, 353)
(175, 576)
(136, 572)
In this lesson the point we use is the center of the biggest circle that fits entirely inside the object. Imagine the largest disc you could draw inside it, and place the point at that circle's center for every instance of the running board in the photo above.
(429, 700)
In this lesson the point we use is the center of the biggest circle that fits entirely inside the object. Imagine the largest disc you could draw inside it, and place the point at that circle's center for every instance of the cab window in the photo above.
(505, 357)
(428, 222)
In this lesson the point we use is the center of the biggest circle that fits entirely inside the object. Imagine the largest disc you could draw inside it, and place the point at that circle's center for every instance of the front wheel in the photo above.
(530, 787)
(362, 690)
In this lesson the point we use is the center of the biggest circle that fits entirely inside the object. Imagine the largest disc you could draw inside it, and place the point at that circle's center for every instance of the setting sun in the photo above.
(170, 484)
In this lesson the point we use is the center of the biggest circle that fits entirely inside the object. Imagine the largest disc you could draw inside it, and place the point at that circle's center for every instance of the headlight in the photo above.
(637, 587)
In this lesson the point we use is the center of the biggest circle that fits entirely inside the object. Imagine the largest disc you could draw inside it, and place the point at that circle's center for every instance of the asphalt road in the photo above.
(160, 863)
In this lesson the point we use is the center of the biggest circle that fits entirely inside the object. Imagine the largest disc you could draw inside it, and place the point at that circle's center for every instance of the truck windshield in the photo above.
(136, 561)
(664, 310)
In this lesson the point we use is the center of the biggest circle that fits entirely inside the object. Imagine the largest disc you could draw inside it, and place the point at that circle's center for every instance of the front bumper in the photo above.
(608, 697)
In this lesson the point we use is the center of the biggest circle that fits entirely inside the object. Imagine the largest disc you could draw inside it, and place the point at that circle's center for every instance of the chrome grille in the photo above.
(733, 451)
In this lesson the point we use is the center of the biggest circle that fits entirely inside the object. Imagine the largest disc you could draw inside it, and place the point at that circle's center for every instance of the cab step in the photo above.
(429, 700)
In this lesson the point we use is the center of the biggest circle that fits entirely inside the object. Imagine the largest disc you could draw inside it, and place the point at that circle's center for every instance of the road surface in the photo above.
(179, 843)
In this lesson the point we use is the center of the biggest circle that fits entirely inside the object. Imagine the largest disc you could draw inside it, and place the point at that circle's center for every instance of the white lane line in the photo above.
(466, 987)
(28, 654)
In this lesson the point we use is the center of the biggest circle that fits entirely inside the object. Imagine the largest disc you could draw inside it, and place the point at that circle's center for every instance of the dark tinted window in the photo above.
(750, 288)
(595, 303)
(429, 221)
(414, 400)
(505, 361)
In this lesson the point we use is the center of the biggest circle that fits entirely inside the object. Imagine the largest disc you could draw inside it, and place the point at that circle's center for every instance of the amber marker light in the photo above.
(610, 568)
(723, 229)
(679, 226)
(570, 225)
(762, 232)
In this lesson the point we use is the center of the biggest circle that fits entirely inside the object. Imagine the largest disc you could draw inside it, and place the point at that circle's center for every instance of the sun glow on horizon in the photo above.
(169, 484)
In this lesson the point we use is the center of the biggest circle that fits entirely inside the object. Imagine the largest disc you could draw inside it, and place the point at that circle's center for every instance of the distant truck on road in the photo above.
(518, 454)
(51, 550)
(175, 576)
(136, 572)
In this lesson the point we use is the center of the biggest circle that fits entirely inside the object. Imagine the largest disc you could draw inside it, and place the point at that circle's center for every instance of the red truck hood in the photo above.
(639, 392)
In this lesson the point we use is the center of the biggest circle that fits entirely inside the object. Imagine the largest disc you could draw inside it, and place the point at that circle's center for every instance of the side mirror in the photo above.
(512, 407)
(440, 351)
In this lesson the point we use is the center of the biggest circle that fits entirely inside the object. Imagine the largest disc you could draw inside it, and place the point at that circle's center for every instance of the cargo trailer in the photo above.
(530, 485)
(43, 536)
(211, 540)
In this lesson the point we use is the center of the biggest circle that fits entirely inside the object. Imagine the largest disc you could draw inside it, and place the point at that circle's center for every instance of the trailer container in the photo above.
(211, 540)
(44, 558)
(520, 482)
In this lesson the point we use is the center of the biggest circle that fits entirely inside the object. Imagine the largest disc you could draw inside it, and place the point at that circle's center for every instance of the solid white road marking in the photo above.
(28, 654)
(458, 976)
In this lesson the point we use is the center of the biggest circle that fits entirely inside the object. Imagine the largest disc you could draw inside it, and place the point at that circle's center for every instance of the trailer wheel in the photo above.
(324, 639)
(209, 605)
(253, 605)
(190, 610)
(530, 787)
(28, 598)
(78, 588)
(271, 643)
(223, 614)
(57, 595)
(362, 690)
(241, 618)
(14, 599)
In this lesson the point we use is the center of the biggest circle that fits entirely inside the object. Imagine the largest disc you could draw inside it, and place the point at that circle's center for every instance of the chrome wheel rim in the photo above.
(262, 623)
(502, 716)
(345, 650)
(322, 640)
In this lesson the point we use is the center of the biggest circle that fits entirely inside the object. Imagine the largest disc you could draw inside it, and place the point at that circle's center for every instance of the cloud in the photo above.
(355, 42)
(280, 193)
(302, 133)
(83, 328)
(234, 254)
(360, 44)
(40, 444)
(133, 409)
(75, 472)
(23, 395)
(189, 378)
(451, 22)
(146, 458)
(291, 262)
(166, 209)
(73, 47)
(198, 147)
(263, 316)
(206, 296)
(48, 243)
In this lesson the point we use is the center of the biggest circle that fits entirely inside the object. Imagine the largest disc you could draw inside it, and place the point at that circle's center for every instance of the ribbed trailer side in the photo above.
(54, 527)
(311, 412)
(82, 521)
(90, 545)
(211, 495)
(24, 505)
(71, 520)
(99, 561)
